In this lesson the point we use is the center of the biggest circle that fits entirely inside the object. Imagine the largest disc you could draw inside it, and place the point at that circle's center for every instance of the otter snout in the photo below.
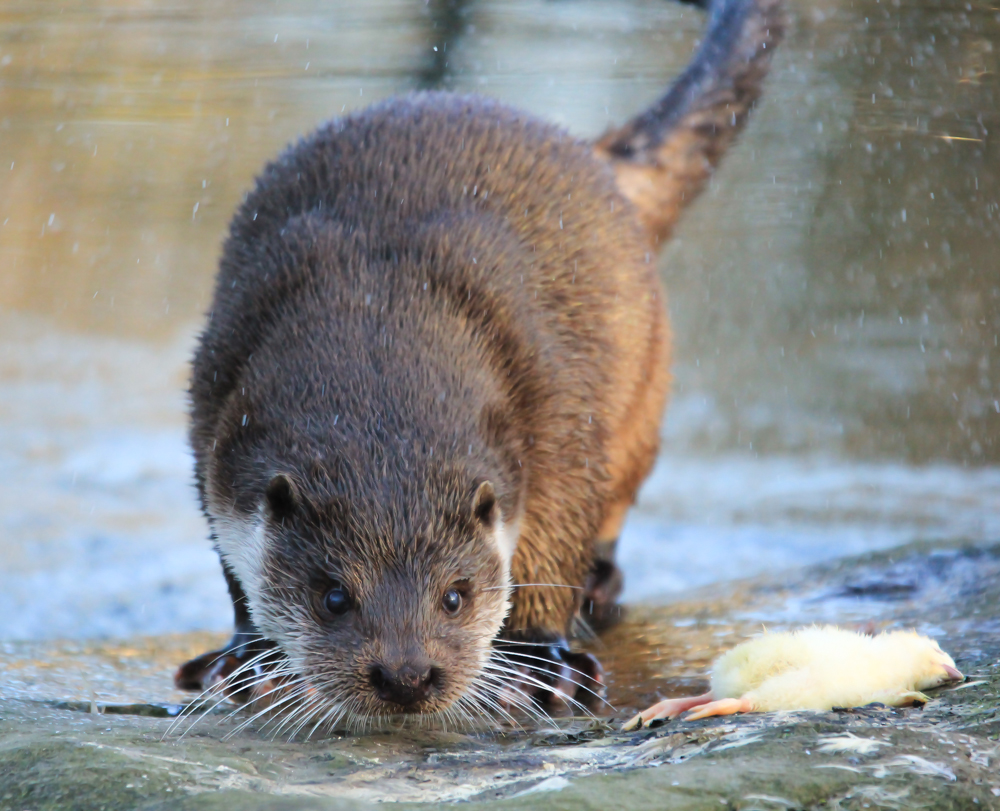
(406, 685)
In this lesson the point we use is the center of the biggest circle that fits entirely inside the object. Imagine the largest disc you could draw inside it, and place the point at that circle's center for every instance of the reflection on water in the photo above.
(130, 129)
(835, 293)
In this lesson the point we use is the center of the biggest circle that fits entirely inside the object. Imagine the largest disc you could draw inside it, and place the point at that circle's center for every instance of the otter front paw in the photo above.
(549, 674)
(238, 670)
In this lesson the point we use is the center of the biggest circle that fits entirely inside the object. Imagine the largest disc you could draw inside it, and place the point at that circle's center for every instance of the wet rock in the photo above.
(86, 726)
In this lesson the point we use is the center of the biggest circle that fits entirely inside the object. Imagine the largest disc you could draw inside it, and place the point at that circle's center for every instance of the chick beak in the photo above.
(954, 674)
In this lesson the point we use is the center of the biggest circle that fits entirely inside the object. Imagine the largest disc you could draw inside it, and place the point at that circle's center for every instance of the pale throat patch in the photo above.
(505, 535)
(243, 543)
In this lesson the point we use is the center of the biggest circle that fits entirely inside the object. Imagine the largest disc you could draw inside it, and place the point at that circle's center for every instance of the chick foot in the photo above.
(724, 706)
(668, 708)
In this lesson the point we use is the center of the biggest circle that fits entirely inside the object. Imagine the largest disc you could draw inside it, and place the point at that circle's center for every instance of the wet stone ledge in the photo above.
(83, 726)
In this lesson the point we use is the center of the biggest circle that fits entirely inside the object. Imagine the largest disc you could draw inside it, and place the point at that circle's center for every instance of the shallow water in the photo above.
(94, 720)
(835, 293)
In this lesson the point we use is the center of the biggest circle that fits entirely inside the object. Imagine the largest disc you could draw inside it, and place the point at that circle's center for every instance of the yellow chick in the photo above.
(815, 668)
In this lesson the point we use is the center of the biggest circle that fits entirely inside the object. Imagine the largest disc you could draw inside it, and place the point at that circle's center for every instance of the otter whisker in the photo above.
(353, 714)
(279, 721)
(253, 673)
(443, 718)
(283, 717)
(222, 654)
(271, 709)
(506, 684)
(503, 643)
(465, 718)
(210, 692)
(464, 708)
(298, 685)
(507, 658)
(534, 682)
(308, 712)
(305, 696)
(526, 585)
(336, 709)
(191, 709)
(219, 691)
(514, 660)
(527, 679)
(518, 701)
(289, 680)
(502, 688)
(196, 714)
(462, 717)
(567, 667)
(251, 680)
(483, 702)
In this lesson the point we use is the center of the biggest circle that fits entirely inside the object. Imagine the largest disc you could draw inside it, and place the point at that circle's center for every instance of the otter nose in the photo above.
(406, 686)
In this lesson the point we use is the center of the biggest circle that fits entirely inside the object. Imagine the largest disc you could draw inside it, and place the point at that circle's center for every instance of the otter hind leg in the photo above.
(633, 448)
(600, 609)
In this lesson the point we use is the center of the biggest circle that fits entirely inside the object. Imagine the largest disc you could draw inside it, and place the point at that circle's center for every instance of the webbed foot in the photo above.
(549, 674)
(244, 663)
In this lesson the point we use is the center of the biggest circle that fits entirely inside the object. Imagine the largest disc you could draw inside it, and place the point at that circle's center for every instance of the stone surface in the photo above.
(93, 727)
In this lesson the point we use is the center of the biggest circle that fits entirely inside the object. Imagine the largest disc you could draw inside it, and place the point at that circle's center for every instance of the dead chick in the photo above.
(815, 668)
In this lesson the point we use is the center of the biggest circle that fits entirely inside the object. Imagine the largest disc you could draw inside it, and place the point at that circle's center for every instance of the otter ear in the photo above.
(282, 497)
(484, 505)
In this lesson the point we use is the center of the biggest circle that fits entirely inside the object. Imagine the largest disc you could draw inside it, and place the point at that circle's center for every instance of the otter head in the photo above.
(385, 600)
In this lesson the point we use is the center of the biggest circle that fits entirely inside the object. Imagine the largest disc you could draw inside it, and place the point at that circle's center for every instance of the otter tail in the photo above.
(663, 157)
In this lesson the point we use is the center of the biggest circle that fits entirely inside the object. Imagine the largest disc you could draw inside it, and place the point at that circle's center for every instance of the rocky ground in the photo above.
(85, 726)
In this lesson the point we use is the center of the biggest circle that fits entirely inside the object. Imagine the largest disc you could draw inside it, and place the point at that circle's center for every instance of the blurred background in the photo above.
(835, 293)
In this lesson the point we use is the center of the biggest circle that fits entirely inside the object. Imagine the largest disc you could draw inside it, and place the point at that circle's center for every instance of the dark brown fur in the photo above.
(424, 296)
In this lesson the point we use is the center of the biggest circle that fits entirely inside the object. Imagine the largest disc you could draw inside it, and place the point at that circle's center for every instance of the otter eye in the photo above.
(452, 601)
(337, 600)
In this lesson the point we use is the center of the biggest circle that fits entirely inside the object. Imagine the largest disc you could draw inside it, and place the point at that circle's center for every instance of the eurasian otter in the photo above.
(431, 383)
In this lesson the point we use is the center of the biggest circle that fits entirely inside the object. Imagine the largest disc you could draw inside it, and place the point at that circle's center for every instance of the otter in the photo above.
(430, 386)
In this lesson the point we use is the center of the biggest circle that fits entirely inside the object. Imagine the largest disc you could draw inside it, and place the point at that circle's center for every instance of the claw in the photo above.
(668, 708)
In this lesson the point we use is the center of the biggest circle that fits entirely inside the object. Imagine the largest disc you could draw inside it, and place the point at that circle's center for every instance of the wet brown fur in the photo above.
(538, 375)
(422, 296)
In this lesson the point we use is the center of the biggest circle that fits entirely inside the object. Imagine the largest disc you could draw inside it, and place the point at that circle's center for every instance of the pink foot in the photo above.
(725, 706)
(668, 708)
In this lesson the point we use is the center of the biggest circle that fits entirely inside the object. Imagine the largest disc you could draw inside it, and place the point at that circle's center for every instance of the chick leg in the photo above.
(724, 706)
(668, 708)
